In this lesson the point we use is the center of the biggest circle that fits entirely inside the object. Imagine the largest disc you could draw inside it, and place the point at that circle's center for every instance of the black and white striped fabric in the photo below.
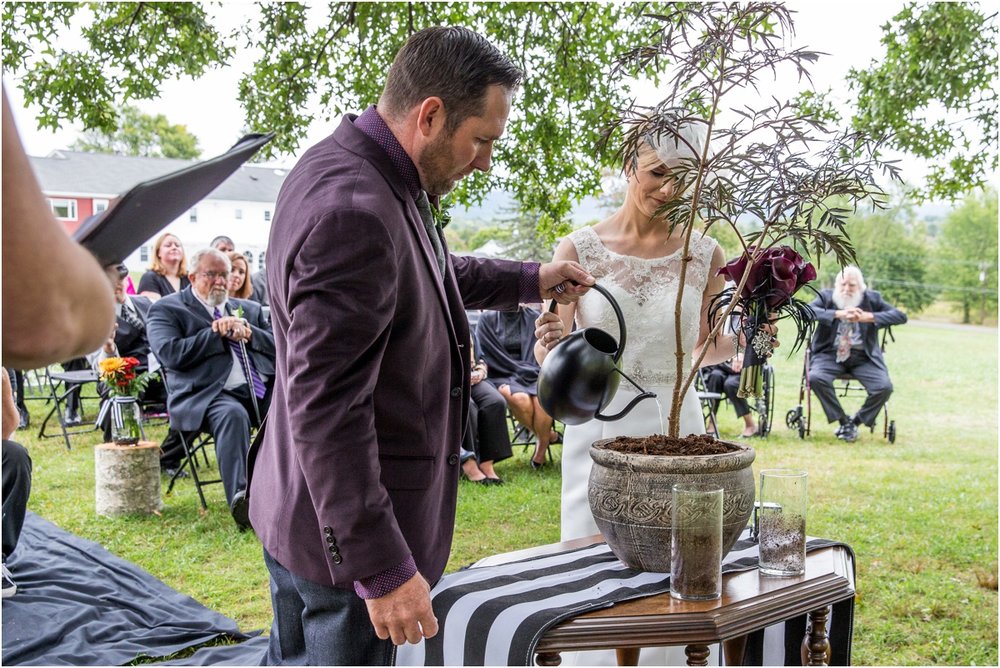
(496, 614)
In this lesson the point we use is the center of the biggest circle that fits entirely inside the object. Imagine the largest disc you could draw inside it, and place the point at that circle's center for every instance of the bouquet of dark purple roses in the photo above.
(765, 283)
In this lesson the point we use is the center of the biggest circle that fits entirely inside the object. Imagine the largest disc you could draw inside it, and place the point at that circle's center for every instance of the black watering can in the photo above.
(580, 376)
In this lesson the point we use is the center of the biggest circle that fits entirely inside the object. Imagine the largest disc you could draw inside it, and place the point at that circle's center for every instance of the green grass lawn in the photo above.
(921, 514)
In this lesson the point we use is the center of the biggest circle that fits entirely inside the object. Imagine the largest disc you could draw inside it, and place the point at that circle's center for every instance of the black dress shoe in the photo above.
(240, 508)
(174, 471)
(25, 419)
(71, 419)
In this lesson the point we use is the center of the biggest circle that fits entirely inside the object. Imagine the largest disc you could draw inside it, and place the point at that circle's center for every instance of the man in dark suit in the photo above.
(218, 354)
(128, 339)
(846, 341)
(354, 487)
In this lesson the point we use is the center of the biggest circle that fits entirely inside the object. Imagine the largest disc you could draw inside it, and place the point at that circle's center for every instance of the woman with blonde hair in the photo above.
(168, 272)
(637, 257)
(239, 276)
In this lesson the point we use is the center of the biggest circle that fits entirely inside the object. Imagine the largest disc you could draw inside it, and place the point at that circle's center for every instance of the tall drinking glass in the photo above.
(696, 541)
(782, 518)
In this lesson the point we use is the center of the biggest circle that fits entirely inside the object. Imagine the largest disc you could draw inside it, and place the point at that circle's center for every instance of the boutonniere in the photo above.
(239, 311)
(441, 214)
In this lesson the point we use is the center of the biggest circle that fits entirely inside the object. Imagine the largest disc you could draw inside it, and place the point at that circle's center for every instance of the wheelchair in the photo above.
(799, 419)
(762, 406)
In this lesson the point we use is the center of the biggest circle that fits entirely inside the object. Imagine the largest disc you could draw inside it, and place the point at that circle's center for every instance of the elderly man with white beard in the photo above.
(219, 358)
(846, 342)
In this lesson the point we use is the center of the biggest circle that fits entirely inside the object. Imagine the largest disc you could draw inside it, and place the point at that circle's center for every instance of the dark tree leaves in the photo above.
(942, 54)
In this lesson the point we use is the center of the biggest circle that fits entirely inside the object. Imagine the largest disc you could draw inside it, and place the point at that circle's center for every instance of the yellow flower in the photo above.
(111, 366)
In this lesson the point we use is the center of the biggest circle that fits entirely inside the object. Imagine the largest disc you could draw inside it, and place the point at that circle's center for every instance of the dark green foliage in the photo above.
(967, 254)
(141, 134)
(938, 54)
(548, 160)
(132, 48)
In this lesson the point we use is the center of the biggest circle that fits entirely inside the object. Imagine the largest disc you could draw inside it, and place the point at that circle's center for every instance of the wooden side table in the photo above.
(127, 479)
(750, 602)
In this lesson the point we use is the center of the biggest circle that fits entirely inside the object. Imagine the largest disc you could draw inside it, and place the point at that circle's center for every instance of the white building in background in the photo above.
(79, 184)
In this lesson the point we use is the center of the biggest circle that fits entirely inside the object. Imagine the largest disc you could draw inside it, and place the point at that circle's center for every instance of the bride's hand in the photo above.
(549, 329)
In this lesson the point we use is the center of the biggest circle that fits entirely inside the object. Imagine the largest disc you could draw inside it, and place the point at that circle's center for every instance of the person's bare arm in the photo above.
(57, 302)
(9, 418)
(550, 327)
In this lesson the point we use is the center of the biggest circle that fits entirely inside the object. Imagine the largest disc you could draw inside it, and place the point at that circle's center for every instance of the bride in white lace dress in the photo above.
(634, 256)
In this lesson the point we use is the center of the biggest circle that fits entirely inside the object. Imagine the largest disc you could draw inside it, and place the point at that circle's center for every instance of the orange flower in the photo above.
(111, 366)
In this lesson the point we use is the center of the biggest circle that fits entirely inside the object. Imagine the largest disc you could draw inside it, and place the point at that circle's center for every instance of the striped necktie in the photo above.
(845, 336)
(249, 369)
(132, 318)
(433, 231)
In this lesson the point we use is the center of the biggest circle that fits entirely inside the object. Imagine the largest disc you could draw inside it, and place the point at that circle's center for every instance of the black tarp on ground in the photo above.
(78, 604)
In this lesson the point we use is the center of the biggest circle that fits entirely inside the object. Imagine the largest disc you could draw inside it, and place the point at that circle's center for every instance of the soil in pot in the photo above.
(661, 444)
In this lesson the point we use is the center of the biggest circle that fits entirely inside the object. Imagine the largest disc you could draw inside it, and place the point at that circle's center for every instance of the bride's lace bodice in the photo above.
(646, 292)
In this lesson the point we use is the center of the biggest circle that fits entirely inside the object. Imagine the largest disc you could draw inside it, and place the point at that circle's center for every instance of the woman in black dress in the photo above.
(168, 272)
(506, 342)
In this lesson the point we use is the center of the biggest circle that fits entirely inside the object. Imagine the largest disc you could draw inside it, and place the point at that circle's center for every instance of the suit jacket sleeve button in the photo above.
(452, 459)
(456, 391)
(328, 531)
(336, 558)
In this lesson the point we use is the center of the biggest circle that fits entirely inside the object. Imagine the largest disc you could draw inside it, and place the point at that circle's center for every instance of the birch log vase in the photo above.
(127, 479)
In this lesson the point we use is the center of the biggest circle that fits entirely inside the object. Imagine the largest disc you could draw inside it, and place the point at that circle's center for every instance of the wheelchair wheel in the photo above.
(892, 431)
(792, 417)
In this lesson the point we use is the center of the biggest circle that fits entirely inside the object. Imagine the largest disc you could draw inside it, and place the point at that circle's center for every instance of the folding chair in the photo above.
(193, 443)
(762, 405)
(521, 436)
(709, 404)
(68, 381)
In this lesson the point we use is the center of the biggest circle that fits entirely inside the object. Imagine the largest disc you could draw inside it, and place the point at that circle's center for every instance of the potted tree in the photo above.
(772, 172)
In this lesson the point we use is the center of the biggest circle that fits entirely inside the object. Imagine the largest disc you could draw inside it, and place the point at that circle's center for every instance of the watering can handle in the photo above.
(643, 394)
(554, 308)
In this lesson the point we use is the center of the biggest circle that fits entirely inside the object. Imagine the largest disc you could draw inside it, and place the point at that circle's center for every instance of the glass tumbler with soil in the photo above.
(696, 541)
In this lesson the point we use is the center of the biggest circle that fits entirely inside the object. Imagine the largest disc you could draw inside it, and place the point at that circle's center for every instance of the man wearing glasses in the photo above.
(218, 354)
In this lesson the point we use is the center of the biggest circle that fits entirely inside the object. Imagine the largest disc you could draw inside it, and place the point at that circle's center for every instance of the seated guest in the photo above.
(128, 339)
(71, 414)
(223, 243)
(724, 378)
(219, 356)
(259, 293)
(846, 341)
(506, 343)
(239, 277)
(17, 382)
(16, 466)
(168, 272)
(487, 436)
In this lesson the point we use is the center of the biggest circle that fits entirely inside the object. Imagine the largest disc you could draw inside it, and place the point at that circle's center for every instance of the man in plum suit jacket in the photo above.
(354, 488)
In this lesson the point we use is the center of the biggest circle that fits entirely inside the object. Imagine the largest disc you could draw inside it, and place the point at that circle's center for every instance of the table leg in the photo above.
(548, 659)
(734, 650)
(627, 656)
(697, 655)
(816, 648)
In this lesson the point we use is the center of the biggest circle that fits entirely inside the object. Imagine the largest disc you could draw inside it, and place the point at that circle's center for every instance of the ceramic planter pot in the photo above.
(630, 498)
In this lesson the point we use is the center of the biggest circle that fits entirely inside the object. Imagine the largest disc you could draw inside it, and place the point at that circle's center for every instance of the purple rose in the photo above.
(774, 278)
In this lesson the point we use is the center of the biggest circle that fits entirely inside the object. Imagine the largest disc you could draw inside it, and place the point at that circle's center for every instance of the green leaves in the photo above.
(941, 55)
(141, 134)
(132, 48)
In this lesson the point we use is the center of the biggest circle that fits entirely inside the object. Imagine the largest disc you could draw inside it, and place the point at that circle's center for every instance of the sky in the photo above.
(848, 30)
